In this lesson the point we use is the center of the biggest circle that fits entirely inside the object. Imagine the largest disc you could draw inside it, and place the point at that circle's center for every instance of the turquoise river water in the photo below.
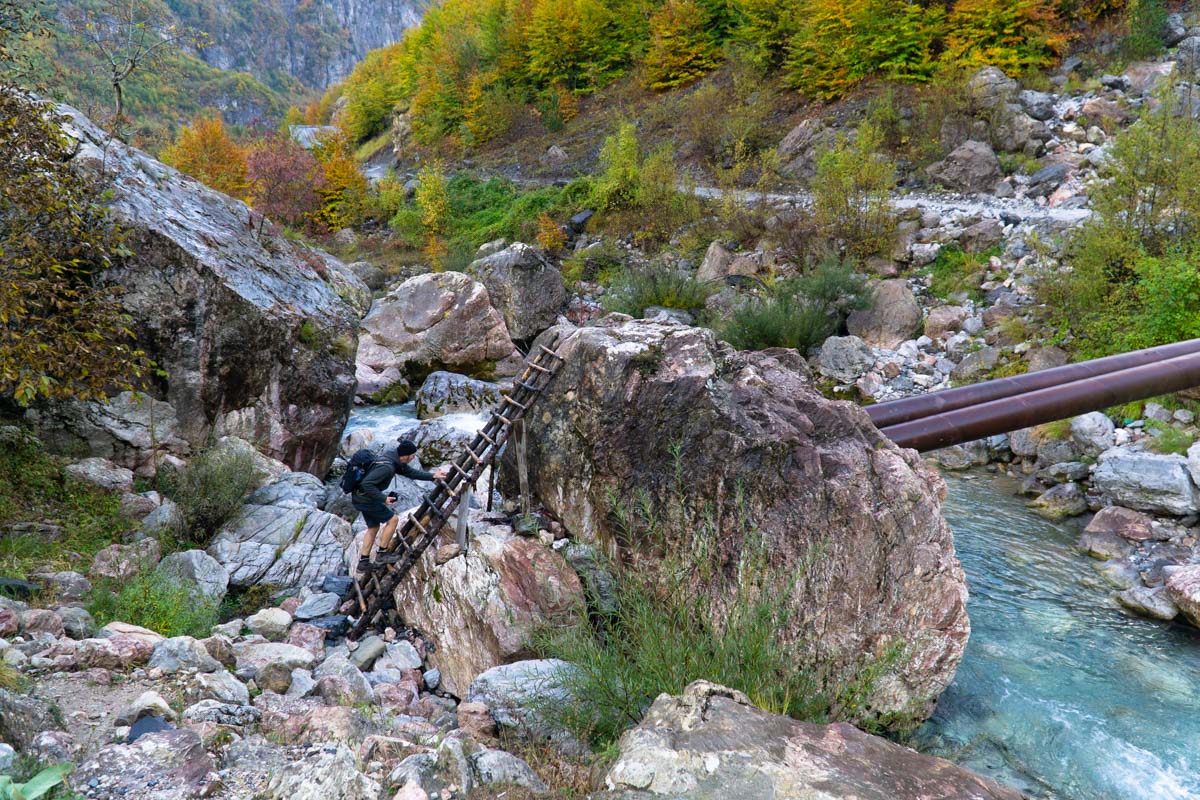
(1059, 693)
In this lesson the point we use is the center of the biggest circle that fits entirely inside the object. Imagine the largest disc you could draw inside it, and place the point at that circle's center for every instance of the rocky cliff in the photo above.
(251, 331)
(316, 41)
(665, 412)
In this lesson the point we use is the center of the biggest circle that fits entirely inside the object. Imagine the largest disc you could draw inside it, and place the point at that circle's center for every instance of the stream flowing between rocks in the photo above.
(1059, 693)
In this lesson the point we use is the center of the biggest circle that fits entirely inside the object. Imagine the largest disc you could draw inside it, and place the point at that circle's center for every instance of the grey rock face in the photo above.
(340, 667)
(1154, 603)
(448, 393)
(488, 603)
(498, 766)
(754, 420)
(1060, 502)
(220, 686)
(199, 569)
(23, 717)
(971, 167)
(313, 776)
(975, 364)
(285, 547)
(182, 654)
(991, 88)
(526, 290)
(516, 693)
(438, 321)
(893, 317)
(845, 358)
(439, 442)
(1146, 482)
(175, 760)
(292, 489)
(255, 341)
(318, 605)
(222, 713)
(130, 430)
(1038, 105)
(1093, 432)
(77, 622)
(103, 473)
(712, 742)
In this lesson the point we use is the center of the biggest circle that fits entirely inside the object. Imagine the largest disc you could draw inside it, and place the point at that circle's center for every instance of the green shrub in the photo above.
(1167, 440)
(34, 488)
(852, 194)
(663, 635)
(800, 313)
(210, 488)
(636, 290)
(1146, 19)
(40, 785)
(955, 271)
(154, 600)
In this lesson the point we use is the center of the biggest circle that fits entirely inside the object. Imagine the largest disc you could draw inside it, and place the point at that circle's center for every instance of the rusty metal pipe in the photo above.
(894, 412)
(1045, 405)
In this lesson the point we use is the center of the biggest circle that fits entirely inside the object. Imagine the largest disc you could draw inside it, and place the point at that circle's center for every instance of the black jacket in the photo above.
(379, 477)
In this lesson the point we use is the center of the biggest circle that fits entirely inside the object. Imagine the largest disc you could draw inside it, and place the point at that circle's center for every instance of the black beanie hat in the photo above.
(405, 447)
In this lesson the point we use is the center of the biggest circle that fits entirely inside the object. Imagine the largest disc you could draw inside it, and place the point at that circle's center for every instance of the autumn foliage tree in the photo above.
(341, 184)
(682, 45)
(207, 152)
(286, 181)
(63, 333)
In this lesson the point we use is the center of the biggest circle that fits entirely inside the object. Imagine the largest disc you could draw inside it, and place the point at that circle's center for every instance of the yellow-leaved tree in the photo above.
(1013, 35)
(682, 48)
(433, 198)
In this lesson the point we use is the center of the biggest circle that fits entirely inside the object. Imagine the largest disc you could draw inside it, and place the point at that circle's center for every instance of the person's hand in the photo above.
(390, 501)
(441, 472)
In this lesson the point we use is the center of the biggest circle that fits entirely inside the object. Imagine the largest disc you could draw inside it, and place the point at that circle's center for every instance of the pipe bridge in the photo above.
(955, 416)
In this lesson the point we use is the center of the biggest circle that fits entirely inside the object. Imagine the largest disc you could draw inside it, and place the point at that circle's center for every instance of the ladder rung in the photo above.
(418, 525)
(446, 488)
(538, 367)
(459, 470)
(522, 406)
(550, 352)
(474, 457)
(501, 417)
(526, 386)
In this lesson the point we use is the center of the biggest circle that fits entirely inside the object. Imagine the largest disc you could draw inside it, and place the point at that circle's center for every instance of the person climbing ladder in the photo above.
(377, 508)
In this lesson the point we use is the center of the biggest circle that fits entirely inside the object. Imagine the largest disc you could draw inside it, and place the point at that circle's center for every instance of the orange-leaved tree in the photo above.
(206, 151)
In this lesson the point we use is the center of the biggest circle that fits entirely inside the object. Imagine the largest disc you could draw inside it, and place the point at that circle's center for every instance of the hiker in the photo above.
(376, 507)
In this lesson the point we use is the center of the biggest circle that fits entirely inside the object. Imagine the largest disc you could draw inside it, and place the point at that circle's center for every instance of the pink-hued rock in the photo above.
(290, 605)
(442, 320)
(176, 760)
(120, 562)
(10, 623)
(476, 719)
(486, 606)
(1183, 587)
(1123, 522)
(307, 637)
(117, 653)
(745, 440)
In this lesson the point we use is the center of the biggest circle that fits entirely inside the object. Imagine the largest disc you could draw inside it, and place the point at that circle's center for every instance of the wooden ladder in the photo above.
(376, 591)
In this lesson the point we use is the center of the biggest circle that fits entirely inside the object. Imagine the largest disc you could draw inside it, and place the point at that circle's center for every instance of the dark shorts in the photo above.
(375, 513)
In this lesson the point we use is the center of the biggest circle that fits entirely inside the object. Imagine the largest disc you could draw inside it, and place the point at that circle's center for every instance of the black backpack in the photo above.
(360, 464)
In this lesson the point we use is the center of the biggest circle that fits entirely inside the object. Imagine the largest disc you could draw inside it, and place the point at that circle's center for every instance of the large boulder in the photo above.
(759, 449)
(520, 697)
(200, 570)
(131, 430)
(281, 546)
(481, 609)
(893, 316)
(173, 763)
(246, 325)
(437, 321)
(447, 393)
(327, 773)
(971, 167)
(712, 742)
(526, 290)
(1146, 482)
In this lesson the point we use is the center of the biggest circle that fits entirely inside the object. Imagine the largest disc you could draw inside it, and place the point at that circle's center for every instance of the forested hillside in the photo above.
(472, 63)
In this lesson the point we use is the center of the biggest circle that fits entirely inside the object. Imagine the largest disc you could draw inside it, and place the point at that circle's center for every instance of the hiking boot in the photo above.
(364, 565)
